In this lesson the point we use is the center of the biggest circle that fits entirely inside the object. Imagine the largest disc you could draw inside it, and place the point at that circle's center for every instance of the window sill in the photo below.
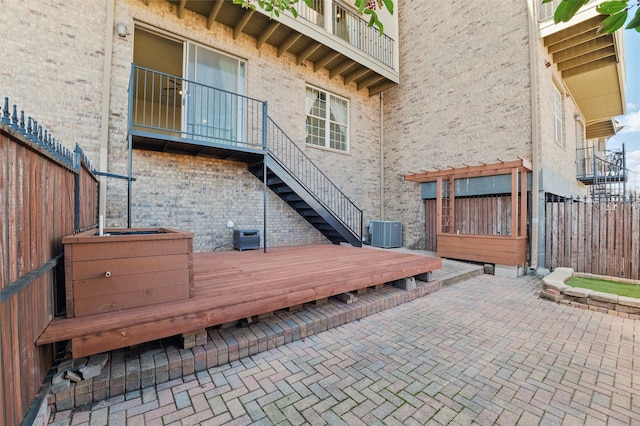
(324, 148)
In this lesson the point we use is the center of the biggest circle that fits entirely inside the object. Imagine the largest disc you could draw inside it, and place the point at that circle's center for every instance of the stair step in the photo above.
(274, 180)
(257, 170)
(309, 213)
(292, 197)
(324, 227)
(332, 235)
(283, 189)
(278, 180)
(300, 205)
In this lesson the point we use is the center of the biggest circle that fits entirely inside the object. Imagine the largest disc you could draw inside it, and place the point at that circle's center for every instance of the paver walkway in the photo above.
(487, 350)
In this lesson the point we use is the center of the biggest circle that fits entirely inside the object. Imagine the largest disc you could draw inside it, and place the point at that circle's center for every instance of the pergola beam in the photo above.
(502, 168)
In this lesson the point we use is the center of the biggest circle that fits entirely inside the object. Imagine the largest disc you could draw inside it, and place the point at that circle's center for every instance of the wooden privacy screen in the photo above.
(452, 241)
(40, 190)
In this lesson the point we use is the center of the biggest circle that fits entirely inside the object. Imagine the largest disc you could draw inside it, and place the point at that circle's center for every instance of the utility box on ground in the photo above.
(246, 239)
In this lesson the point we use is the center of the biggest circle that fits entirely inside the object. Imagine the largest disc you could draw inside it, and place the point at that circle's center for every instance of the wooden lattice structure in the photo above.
(508, 249)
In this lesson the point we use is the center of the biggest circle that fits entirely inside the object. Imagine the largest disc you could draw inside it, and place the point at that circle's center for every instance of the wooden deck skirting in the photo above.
(233, 285)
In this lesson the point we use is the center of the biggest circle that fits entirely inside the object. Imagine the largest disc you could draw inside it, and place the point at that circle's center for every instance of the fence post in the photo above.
(76, 188)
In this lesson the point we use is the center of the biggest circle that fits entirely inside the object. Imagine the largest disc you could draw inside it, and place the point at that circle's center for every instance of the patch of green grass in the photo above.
(613, 287)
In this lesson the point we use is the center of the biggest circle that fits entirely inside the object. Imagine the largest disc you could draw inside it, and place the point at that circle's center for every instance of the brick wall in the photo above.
(200, 195)
(465, 98)
(559, 158)
(63, 85)
(51, 66)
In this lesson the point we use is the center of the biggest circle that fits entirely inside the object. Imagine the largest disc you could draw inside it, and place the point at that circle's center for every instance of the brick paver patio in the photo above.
(487, 350)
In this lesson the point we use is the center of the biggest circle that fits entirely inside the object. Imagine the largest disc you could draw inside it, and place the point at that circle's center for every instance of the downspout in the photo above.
(535, 134)
(381, 156)
(104, 112)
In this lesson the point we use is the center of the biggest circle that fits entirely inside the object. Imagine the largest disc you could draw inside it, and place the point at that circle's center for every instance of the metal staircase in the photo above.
(171, 114)
(289, 189)
(293, 176)
(603, 171)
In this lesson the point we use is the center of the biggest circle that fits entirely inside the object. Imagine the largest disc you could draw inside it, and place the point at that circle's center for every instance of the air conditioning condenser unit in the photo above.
(385, 233)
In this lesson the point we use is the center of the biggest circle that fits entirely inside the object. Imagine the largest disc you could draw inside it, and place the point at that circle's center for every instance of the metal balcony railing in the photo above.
(548, 9)
(350, 27)
(169, 107)
(299, 165)
(313, 14)
(177, 108)
(604, 171)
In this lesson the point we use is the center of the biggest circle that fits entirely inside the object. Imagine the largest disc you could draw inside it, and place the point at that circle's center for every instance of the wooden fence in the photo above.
(598, 236)
(46, 192)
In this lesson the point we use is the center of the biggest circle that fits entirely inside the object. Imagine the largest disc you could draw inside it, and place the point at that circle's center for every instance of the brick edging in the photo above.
(554, 288)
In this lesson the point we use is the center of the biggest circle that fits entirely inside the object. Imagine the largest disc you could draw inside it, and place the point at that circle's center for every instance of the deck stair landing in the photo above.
(234, 285)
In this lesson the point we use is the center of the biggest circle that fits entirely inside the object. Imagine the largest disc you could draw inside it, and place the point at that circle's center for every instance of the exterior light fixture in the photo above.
(121, 29)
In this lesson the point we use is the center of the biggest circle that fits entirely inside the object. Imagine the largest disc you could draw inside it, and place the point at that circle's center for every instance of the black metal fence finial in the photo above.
(5, 112)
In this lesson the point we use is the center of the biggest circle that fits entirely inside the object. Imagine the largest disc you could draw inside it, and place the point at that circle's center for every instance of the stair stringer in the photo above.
(344, 234)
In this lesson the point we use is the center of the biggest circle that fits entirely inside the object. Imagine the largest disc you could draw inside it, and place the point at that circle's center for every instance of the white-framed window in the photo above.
(327, 123)
(557, 116)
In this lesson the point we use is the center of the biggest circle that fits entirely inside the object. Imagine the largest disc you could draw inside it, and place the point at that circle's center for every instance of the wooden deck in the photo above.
(234, 285)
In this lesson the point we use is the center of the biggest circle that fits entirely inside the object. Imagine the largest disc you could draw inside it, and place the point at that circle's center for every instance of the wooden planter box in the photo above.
(129, 268)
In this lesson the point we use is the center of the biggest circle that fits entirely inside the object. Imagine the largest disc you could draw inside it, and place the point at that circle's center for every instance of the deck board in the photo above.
(234, 285)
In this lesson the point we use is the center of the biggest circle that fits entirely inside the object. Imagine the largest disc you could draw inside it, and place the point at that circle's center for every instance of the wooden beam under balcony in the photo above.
(264, 36)
(302, 56)
(288, 43)
(320, 63)
(369, 81)
(354, 75)
(584, 48)
(601, 129)
(381, 87)
(588, 58)
(246, 17)
(316, 47)
(588, 26)
(183, 3)
(341, 67)
(590, 66)
(214, 13)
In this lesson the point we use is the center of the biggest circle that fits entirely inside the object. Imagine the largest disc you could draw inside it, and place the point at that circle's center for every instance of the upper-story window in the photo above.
(557, 116)
(327, 120)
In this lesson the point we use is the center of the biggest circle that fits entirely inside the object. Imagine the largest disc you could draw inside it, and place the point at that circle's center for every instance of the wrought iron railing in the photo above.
(350, 27)
(34, 132)
(548, 9)
(605, 171)
(168, 106)
(184, 109)
(300, 166)
(313, 14)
